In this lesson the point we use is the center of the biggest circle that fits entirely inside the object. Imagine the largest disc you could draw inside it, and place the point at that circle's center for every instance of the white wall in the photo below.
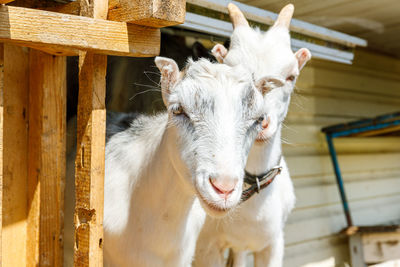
(330, 93)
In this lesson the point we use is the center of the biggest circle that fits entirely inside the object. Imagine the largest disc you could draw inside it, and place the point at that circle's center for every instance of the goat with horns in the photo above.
(257, 224)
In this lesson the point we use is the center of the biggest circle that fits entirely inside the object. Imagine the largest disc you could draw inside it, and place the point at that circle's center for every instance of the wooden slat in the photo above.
(325, 221)
(328, 194)
(46, 168)
(154, 13)
(5, 1)
(72, 8)
(356, 251)
(321, 252)
(1, 141)
(64, 34)
(89, 162)
(89, 179)
(15, 155)
(381, 247)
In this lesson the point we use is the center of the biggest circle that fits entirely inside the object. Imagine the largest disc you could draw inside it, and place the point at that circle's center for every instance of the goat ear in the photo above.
(169, 75)
(302, 55)
(266, 84)
(219, 52)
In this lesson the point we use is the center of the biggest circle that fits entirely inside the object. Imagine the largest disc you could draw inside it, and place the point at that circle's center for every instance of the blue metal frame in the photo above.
(339, 180)
(349, 129)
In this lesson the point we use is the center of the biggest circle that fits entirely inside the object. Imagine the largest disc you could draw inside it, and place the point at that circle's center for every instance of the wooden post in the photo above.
(46, 166)
(33, 157)
(15, 155)
(89, 171)
(1, 142)
(153, 13)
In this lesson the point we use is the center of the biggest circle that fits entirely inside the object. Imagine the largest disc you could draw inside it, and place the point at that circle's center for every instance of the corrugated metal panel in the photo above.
(329, 93)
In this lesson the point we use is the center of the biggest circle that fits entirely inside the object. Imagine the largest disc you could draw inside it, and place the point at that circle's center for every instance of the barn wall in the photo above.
(329, 93)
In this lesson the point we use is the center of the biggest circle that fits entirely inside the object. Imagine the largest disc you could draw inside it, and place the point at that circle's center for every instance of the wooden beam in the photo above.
(5, 1)
(1, 141)
(356, 250)
(72, 8)
(153, 13)
(89, 162)
(64, 34)
(15, 155)
(89, 170)
(46, 167)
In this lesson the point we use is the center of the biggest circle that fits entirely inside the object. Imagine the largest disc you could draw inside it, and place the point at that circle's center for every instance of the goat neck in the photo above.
(265, 155)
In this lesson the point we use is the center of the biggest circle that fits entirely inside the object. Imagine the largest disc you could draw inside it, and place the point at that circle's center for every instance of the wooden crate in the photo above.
(374, 245)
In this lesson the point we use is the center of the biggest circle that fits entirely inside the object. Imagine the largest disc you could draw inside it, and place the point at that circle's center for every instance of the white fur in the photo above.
(257, 224)
(157, 171)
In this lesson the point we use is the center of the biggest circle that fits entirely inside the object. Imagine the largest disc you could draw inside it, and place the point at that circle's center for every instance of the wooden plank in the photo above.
(381, 247)
(72, 8)
(318, 166)
(89, 171)
(1, 141)
(348, 145)
(15, 155)
(330, 220)
(353, 108)
(153, 13)
(89, 162)
(356, 251)
(363, 82)
(64, 34)
(387, 130)
(328, 193)
(46, 168)
(5, 1)
(326, 251)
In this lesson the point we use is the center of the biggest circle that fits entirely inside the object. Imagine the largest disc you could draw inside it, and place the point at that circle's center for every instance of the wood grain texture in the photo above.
(64, 34)
(356, 251)
(89, 170)
(15, 155)
(1, 142)
(381, 247)
(89, 163)
(153, 13)
(72, 8)
(46, 167)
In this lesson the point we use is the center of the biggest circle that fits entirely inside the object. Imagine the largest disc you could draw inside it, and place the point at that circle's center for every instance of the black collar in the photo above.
(256, 183)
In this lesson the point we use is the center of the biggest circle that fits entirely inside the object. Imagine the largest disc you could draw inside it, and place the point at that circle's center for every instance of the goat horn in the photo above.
(236, 16)
(285, 16)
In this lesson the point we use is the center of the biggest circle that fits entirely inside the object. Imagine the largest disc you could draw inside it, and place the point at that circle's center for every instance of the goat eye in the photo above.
(260, 119)
(178, 110)
(290, 78)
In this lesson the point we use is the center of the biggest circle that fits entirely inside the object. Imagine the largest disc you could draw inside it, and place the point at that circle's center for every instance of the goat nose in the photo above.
(223, 186)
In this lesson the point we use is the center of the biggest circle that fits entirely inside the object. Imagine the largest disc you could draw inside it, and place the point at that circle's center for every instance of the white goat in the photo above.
(161, 169)
(257, 224)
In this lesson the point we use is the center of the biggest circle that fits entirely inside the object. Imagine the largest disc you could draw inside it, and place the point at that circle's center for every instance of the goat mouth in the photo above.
(213, 208)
